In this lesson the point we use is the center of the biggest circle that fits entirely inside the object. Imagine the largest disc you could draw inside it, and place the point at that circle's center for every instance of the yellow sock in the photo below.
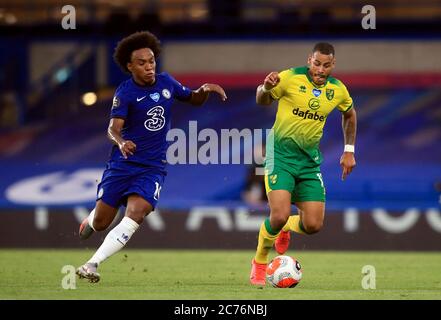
(294, 224)
(265, 242)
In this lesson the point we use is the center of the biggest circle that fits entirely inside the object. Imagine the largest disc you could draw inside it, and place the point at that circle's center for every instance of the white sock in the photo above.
(90, 219)
(115, 240)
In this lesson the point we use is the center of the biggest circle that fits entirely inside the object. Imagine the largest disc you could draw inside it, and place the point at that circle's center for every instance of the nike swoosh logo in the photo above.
(139, 99)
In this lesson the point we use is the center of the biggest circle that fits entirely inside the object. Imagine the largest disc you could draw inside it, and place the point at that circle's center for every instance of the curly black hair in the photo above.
(135, 41)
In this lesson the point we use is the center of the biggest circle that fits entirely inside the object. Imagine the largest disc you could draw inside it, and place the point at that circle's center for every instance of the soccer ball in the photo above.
(284, 272)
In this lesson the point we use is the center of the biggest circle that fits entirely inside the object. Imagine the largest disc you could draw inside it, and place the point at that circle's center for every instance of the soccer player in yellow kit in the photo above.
(306, 95)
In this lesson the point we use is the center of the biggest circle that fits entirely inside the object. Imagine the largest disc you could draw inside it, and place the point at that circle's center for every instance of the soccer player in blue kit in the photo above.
(140, 120)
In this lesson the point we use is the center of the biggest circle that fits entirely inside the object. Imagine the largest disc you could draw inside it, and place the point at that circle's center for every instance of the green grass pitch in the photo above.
(212, 275)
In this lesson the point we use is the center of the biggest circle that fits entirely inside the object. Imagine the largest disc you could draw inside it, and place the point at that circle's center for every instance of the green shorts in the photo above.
(304, 183)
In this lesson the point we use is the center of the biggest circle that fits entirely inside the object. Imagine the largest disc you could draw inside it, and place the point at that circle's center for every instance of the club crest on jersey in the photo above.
(330, 94)
(166, 94)
(155, 96)
(316, 92)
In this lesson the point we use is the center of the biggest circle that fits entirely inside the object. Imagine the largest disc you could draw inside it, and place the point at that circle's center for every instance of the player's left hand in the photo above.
(211, 87)
(347, 163)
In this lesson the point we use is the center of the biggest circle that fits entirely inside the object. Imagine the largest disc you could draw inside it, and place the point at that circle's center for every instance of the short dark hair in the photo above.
(324, 48)
(135, 41)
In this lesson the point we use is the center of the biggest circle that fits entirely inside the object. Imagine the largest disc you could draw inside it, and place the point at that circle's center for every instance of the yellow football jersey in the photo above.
(302, 111)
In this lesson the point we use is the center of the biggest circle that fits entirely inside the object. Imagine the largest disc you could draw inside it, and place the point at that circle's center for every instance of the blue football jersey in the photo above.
(146, 111)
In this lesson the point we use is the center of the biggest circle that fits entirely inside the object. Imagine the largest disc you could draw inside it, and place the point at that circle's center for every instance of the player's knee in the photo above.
(100, 223)
(137, 214)
(312, 227)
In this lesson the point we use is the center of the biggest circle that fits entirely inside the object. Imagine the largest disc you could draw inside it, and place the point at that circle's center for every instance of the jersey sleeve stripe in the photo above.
(349, 108)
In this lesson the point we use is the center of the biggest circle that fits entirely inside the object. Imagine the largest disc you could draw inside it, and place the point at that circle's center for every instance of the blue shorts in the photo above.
(120, 181)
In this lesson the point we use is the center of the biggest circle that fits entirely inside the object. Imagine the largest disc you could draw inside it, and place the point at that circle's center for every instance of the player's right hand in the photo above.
(271, 80)
(127, 148)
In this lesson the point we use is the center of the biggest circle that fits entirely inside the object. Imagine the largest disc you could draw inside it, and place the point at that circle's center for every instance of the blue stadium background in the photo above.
(398, 143)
